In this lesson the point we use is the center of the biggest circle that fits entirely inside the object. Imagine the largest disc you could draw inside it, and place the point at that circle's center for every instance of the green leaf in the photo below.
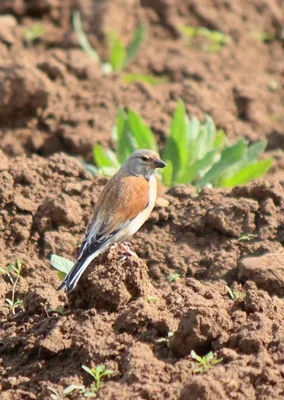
(220, 140)
(101, 157)
(204, 141)
(108, 372)
(176, 144)
(229, 290)
(192, 171)
(192, 130)
(133, 47)
(178, 133)
(151, 79)
(117, 51)
(143, 135)
(72, 388)
(248, 173)
(167, 174)
(3, 271)
(61, 263)
(255, 150)
(100, 368)
(195, 356)
(209, 356)
(90, 394)
(90, 371)
(125, 143)
(250, 156)
(61, 275)
(34, 32)
(82, 38)
(229, 156)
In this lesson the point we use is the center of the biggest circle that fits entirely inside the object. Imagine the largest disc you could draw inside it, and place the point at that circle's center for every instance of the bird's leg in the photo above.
(126, 247)
(126, 251)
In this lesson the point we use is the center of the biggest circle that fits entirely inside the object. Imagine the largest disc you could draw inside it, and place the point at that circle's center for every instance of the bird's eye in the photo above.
(144, 158)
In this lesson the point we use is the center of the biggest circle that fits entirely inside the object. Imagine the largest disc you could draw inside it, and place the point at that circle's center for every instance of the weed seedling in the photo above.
(245, 237)
(152, 299)
(33, 33)
(62, 265)
(119, 55)
(216, 40)
(204, 363)
(195, 152)
(97, 373)
(13, 271)
(236, 294)
(48, 310)
(68, 390)
(175, 276)
(165, 339)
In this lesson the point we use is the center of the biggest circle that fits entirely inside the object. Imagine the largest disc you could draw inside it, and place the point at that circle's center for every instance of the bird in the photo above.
(122, 208)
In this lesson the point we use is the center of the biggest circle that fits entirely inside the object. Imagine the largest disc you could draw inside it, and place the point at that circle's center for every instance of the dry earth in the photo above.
(53, 99)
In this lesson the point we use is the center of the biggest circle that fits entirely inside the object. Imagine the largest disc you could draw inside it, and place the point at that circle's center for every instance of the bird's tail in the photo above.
(76, 272)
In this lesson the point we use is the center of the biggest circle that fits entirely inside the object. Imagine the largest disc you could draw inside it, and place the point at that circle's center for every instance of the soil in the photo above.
(55, 104)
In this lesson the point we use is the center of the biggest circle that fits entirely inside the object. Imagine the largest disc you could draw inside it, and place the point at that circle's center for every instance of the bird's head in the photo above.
(143, 163)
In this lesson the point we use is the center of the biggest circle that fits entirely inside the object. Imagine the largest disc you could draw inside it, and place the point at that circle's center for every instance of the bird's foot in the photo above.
(127, 250)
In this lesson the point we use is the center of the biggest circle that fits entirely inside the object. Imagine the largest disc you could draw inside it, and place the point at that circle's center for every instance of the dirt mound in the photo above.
(124, 305)
(79, 103)
(141, 315)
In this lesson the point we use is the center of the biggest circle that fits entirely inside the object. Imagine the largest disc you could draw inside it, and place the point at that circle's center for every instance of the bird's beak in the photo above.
(159, 163)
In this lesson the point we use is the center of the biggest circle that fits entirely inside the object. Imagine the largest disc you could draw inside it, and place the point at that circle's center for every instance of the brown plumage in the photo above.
(123, 206)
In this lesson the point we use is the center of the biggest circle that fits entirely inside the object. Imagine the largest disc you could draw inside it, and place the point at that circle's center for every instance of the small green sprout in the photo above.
(97, 373)
(33, 33)
(67, 391)
(204, 363)
(236, 294)
(48, 310)
(195, 152)
(165, 339)
(216, 39)
(13, 271)
(62, 265)
(152, 299)
(150, 79)
(175, 276)
(245, 237)
(119, 55)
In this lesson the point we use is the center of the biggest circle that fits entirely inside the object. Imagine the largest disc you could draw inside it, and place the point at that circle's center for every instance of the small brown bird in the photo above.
(123, 206)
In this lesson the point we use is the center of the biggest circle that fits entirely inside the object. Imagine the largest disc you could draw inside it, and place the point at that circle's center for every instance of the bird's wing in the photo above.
(122, 199)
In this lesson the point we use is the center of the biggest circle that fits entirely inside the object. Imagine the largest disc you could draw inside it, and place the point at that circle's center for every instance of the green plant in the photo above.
(119, 55)
(216, 40)
(13, 271)
(48, 310)
(204, 363)
(97, 373)
(62, 265)
(34, 32)
(174, 277)
(68, 390)
(150, 79)
(165, 339)
(246, 237)
(195, 152)
(152, 299)
(236, 294)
